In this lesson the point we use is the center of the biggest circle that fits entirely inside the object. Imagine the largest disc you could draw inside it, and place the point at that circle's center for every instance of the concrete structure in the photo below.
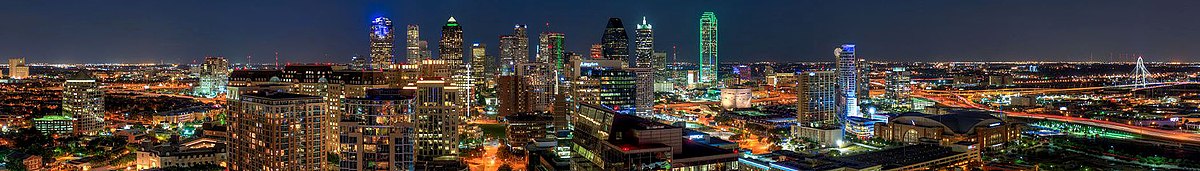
(437, 121)
(984, 129)
(278, 131)
(816, 99)
(83, 99)
(376, 131)
(214, 77)
(823, 136)
(413, 49)
(736, 98)
(17, 68)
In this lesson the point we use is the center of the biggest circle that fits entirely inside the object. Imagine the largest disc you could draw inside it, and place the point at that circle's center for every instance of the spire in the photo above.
(451, 20)
(644, 25)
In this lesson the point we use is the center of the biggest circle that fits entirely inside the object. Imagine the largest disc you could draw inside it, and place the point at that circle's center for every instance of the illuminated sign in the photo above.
(588, 64)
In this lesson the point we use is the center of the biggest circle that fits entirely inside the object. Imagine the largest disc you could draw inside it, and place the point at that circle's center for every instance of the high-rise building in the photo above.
(514, 95)
(898, 92)
(84, 100)
(658, 61)
(864, 79)
(816, 99)
(509, 58)
(436, 120)
(271, 130)
(376, 131)
(214, 75)
(450, 47)
(480, 73)
(551, 50)
(524, 128)
(414, 50)
(17, 68)
(606, 83)
(644, 40)
(521, 48)
(847, 81)
(708, 49)
(381, 43)
(615, 42)
(645, 92)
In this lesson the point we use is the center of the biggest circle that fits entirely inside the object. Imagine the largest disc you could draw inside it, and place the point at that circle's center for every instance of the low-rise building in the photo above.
(983, 128)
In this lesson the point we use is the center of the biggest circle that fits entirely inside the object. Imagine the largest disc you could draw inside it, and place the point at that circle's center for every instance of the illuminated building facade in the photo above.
(645, 91)
(414, 48)
(607, 83)
(736, 98)
(847, 81)
(983, 129)
(375, 131)
(381, 43)
(436, 120)
(54, 124)
(898, 90)
(17, 68)
(514, 95)
(551, 50)
(509, 56)
(607, 140)
(615, 43)
(271, 130)
(524, 128)
(83, 100)
(214, 76)
(480, 74)
(816, 99)
(644, 42)
(708, 49)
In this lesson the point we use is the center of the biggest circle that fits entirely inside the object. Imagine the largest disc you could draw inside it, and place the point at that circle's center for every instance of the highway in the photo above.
(959, 101)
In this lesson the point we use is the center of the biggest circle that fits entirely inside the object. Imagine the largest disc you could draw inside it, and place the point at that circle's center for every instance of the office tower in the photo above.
(615, 43)
(708, 49)
(898, 91)
(540, 81)
(514, 95)
(607, 140)
(816, 98)
(550, 49)
(381, 43)
(521, 51)
(214, 75)
(425, 53)
(84, 100)
(658, 61)
(644, 41)
(450, 47)
(359, 63)
(606, 83)
(271, 130)
(436, 120)
(847, 81)
(413, 53)
(376, 131)
(509, 57)
(17, 68)
(480, 73)
(864, 80)
(597, 52)
(645, 92)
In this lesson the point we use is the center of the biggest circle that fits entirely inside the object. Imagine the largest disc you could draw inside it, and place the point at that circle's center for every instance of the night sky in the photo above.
(784, 30)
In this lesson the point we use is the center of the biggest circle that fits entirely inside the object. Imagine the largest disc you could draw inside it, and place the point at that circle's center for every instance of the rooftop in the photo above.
(904, 156)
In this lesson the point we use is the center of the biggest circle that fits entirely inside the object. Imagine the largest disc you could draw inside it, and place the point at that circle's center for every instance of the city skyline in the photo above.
(896, 31)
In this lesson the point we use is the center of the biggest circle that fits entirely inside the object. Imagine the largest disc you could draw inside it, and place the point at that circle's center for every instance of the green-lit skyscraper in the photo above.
(708, 48)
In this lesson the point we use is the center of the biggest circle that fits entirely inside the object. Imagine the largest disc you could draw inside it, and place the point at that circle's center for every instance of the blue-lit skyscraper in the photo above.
(381, 42)
(847, 81)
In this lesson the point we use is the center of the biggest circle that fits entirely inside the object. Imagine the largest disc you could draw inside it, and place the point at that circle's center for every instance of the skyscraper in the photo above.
(376, 131)
(615, 43)
(708, 49)
(84, 100)
(214, 75)
(816, 99)
(645, 46)
(521, 51)
(898, 91)
(436, 120)
(414, 55)
(271, 130)
(847, 81)
(550, 49)
(508, 55)
(607, 83)
(480, 73)
(381, 43)
(451, 45)
(645, 92)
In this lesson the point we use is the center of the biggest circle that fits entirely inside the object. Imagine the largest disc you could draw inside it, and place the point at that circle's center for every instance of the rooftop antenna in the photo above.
(276, 59)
